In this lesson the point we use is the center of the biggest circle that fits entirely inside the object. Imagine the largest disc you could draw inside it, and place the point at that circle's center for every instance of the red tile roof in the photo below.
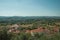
(35, 30)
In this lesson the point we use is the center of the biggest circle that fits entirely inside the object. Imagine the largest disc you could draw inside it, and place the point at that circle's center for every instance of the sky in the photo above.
(29, 7)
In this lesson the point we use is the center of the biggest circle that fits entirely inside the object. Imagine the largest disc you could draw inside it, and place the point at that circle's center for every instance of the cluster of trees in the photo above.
(27, 20)
(36, 21)
(4, 35)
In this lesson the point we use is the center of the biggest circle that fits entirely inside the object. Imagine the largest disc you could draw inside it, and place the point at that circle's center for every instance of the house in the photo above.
(32, 32)
(14, 28)
(14, 31)
(56, 29)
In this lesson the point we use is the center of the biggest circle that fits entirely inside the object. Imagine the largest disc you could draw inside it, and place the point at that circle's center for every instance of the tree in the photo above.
(4, 35)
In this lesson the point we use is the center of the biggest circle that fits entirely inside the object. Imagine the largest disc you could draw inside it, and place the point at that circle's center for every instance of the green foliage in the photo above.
(4, 35)
(36, 21)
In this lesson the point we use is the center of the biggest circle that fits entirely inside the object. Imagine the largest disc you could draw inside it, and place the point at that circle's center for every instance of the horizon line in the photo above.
(25, 16)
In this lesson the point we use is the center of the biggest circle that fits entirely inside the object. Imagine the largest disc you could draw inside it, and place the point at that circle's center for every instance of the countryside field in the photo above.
(30, 28)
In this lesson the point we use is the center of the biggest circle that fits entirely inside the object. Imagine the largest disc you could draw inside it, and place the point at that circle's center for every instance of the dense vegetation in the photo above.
(24, 36)
(45, 22)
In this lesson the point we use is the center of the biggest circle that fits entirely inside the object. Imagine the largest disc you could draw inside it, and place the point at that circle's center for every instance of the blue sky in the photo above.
(29, 7)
